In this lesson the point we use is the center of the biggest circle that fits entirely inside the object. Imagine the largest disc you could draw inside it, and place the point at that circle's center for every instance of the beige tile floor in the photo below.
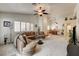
(8, 50)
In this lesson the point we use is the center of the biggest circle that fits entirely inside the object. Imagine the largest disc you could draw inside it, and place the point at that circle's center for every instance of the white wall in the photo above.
(77, 22)
(25, 18)
(13, 17)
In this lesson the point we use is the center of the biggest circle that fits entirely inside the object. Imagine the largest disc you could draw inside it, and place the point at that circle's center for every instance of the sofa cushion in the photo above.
(28, 50)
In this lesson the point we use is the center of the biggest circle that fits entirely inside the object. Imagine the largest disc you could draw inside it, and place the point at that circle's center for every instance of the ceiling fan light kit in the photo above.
(40, 10)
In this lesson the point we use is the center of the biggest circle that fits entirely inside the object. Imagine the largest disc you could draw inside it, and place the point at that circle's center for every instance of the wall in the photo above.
(77, 22)
(24, 18)
(13, 17)
(71, 24)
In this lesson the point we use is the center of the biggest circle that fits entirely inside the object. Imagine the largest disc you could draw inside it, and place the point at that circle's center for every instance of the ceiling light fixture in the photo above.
(39, 9)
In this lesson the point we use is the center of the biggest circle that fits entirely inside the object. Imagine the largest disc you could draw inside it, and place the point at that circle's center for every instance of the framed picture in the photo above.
(6, 23)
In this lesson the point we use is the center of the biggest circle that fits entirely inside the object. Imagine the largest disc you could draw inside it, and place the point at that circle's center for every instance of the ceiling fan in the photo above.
(40, 11)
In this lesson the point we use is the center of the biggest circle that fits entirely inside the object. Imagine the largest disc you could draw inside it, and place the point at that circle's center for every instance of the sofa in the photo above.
(26, 38)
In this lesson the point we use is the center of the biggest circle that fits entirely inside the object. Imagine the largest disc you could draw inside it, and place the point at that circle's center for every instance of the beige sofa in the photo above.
(25, 47)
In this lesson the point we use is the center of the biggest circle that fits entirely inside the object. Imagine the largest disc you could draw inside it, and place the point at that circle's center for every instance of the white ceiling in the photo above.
(62, 9)
(24, 8)
(27, 8)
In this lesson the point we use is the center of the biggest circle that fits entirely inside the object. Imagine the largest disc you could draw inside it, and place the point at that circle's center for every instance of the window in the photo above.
(27, 26)
(17, 26)
(41, 28)
(31, 26)
(53, 26)
(23, 26)
(48, 27)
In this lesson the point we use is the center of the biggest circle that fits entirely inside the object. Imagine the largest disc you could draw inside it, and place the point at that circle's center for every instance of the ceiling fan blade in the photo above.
(35, 14)
(43, 10)
(35, 10)
(33, 3)
(45, 13)
(40, 8)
